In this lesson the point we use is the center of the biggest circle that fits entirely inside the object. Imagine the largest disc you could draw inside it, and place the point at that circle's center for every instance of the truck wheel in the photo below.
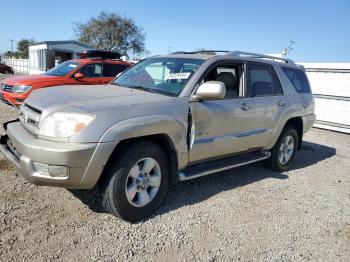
(136, 183)
(283, 152)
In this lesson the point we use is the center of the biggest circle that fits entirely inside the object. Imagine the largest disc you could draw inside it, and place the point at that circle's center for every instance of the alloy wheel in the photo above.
(143, 182)
(286, 149)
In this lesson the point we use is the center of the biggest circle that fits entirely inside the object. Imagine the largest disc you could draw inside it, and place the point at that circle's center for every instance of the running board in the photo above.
(215, 166)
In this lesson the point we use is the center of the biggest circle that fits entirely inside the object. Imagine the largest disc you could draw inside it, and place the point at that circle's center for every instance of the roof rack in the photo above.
(255, 55)
(200, 52)
(98, 54)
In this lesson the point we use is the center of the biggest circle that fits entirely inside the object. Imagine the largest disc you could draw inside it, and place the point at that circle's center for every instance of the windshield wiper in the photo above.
(150, 90)
(143, 89)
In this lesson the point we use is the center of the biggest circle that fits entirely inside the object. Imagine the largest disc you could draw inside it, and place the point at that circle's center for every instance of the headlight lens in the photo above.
(61, 125)
(21, 89)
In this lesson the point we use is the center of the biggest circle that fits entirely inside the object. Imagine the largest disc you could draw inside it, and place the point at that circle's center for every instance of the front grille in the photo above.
(30, 117)
(6, 87)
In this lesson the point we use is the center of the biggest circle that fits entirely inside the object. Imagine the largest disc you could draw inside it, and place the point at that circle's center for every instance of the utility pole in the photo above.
(11, 44)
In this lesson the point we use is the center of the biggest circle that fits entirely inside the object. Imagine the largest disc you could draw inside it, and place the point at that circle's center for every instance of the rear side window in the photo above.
(298, 79)
(262, 80)
(111, 70)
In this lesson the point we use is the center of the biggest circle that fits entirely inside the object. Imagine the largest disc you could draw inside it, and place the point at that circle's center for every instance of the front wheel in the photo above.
(136, 183)
(283, 152)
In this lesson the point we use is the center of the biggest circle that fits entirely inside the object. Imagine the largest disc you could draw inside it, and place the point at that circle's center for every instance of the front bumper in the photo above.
(14, 99)
(32, 157)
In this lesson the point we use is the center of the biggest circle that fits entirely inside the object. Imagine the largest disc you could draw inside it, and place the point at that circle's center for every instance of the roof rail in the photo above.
(200, 52)
(255, 55)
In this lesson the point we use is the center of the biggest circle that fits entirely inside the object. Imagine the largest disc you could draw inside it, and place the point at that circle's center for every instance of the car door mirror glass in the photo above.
(211, 90)
(79, 76)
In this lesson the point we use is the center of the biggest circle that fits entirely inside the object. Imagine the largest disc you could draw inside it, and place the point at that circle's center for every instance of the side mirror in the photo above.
(78, 76)
(211, 90)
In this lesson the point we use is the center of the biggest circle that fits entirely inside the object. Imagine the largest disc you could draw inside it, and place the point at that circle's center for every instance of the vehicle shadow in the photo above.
(200, 189)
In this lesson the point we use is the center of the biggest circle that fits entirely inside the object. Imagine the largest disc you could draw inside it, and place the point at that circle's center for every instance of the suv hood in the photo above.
(88, 99)
(109, 104)
(29, 79)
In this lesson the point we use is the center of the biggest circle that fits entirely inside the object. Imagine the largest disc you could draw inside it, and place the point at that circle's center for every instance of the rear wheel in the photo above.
(136, 183)
(283, 152)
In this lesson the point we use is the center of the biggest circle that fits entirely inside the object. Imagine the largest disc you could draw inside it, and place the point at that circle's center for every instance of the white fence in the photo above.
(18, 65)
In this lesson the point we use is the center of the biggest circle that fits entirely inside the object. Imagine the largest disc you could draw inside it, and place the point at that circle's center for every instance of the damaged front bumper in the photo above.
(49, 163)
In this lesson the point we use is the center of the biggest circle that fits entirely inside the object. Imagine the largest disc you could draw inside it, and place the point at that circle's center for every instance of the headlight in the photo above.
(63, 125)
(21, 89)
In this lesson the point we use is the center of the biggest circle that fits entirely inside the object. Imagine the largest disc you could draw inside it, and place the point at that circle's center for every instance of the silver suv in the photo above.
(166, 119)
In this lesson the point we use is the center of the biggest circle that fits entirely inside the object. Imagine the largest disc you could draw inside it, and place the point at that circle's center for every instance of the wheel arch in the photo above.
(297, 123)
(162, 140)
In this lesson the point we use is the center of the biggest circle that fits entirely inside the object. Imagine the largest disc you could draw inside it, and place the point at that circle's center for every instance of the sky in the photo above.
(320, 29)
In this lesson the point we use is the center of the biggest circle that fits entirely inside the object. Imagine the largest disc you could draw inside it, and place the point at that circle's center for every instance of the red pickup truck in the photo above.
(87, 71)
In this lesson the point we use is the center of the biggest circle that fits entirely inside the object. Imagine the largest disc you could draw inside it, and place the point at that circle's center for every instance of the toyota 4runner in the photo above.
(166, 119)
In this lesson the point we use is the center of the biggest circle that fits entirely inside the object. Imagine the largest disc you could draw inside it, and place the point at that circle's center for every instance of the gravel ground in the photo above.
(246, 214)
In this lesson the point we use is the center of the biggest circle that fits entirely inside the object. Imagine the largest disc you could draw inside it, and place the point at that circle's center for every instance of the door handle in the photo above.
(245, 106)
(281, 103)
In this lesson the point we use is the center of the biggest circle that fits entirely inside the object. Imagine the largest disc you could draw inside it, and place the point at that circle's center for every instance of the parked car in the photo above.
(166, 119)
(5, 69)
(87, 71)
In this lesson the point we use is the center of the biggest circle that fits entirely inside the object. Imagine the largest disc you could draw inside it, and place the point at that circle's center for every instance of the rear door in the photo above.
(110, 71)
(264, 87)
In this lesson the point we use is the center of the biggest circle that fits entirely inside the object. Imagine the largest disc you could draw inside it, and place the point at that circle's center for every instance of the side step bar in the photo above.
(215, 166)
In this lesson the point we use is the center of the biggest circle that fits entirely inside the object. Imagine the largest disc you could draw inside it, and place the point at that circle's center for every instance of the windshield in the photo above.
(162, 75)
(62, 69)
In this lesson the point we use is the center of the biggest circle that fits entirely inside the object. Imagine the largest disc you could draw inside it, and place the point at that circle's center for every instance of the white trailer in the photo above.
(330, 83)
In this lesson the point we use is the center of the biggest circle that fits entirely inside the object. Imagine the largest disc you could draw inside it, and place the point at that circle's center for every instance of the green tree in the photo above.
(10, 54)
(112, 31)
(22, 47)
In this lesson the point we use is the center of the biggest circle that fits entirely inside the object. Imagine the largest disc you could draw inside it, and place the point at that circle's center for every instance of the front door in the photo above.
(221, 127)
(92, 74)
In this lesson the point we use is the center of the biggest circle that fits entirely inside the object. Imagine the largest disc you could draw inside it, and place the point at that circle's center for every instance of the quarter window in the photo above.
(112, 70)
(298, 79)
(262, 80)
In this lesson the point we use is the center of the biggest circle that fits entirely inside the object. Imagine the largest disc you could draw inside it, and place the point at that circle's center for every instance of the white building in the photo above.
(45, 55)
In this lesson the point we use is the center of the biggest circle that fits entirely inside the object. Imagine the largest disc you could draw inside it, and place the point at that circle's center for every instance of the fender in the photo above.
(280, 127)
(151, 125)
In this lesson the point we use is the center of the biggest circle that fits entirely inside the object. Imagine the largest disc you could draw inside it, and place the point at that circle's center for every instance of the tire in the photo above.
(126, 175)
(6, 71)
(283, 152)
